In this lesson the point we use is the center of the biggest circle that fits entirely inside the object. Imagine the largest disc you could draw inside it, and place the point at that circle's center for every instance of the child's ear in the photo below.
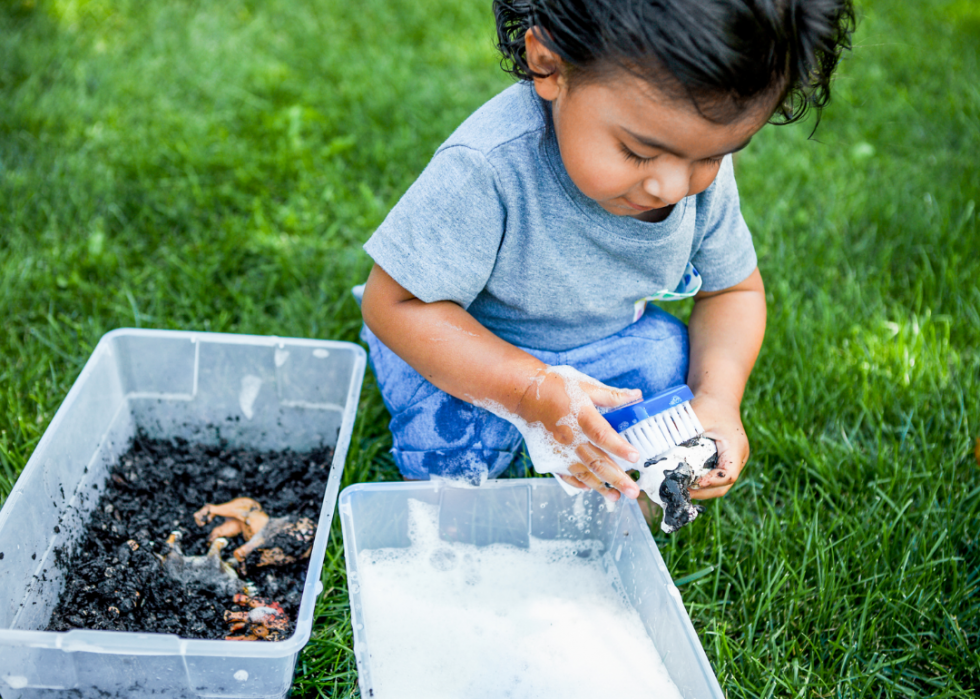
(545, 63)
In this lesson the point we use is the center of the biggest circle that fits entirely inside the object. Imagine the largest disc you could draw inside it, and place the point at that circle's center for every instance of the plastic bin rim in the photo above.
(446, 484)
(645, 535)
(232, 338)
(120, 642)
(193, 335)
(156, 644)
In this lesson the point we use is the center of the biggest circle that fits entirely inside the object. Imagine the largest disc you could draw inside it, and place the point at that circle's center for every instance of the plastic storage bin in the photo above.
(510, 511)
(259, 392)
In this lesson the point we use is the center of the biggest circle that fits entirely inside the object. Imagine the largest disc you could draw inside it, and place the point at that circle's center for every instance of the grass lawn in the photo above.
(216, 165)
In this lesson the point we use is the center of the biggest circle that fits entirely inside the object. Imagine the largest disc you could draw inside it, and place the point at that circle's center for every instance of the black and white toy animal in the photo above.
(667, 478)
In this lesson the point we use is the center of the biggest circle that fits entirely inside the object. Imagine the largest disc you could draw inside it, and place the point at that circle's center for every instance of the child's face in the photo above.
(636, 152)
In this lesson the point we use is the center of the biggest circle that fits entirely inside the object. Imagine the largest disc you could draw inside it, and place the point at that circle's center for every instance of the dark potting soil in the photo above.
(115, 581)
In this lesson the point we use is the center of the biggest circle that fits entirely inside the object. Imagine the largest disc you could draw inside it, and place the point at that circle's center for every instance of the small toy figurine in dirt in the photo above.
(209, 569)
(277, 540)
(265, 621)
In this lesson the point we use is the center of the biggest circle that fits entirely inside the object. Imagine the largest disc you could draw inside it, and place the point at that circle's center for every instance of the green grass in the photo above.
(215, 165)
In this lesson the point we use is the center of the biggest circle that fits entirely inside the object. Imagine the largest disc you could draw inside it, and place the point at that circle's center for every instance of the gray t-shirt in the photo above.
(495, 224)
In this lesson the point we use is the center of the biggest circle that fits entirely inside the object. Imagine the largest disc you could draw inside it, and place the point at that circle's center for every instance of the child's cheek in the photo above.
(598, 178)
(703, 177)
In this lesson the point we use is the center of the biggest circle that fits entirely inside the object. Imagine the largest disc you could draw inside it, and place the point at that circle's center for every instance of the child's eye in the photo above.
(633, 157)
(712, 161)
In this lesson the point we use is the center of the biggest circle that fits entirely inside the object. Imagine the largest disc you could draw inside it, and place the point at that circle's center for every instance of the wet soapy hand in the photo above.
(565, 402)
(723, 423)
(555, 408)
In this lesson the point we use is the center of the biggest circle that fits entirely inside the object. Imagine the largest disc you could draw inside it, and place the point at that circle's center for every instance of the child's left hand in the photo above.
(723, 423)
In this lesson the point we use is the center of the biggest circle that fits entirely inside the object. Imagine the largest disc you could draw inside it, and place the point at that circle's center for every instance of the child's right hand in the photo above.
(553, 407)
(578, 440)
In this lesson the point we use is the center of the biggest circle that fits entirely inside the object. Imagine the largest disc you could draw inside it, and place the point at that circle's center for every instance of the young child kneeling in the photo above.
(536, 235)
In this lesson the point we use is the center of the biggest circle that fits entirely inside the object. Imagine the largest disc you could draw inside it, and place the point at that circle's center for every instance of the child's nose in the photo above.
(669, 184)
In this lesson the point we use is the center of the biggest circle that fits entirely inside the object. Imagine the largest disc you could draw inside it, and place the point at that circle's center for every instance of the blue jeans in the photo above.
(435, 434)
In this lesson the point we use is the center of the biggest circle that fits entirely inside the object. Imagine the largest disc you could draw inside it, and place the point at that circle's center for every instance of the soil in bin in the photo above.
(153, 491)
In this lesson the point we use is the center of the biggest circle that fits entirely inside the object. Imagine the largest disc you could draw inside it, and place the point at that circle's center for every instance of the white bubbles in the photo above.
(574, 379)
(579, 516)
(241, 675)
(453, 620)
(548, 455)
(443, 559)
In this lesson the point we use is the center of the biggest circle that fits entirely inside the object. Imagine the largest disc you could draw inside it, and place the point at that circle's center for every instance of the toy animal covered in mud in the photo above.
(276, 540)
(667, 478)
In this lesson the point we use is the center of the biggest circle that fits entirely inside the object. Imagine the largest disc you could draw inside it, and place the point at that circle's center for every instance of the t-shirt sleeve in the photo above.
(725, 255)
(440, 241)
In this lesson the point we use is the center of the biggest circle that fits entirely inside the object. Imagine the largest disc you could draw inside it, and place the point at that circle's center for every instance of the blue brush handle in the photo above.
(625, 417)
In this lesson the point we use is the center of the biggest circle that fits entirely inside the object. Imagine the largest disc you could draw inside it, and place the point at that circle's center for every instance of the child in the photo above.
(513, 276)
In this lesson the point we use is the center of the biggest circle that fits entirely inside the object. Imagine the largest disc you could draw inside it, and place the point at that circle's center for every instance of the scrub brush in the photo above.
(674, 453)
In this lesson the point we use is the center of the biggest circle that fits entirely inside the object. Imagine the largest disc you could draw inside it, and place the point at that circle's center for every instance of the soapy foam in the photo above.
(548, 455)
(451, 326)
(450, 620)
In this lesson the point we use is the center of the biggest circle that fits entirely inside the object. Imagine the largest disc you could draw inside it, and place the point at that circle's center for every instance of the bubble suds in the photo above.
(547, 454)
(451, 326)
(449, 620)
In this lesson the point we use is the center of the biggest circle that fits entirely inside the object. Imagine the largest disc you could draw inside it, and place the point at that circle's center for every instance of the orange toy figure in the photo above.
(278, 540)
(265, 621)
(243, 516)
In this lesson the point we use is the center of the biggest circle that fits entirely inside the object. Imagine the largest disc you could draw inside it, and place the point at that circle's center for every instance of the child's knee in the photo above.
(440, 435)
(472, 465)
(399, 383)
(433, 433)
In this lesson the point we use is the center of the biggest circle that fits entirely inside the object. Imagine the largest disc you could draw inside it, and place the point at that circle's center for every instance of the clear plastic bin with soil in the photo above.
(141, 564)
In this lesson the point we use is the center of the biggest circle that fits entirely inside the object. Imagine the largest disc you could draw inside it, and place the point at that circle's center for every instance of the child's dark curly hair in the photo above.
(720, 54)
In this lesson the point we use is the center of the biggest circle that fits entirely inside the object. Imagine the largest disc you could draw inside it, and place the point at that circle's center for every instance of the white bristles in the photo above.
(684, 425)
(654, 436)
(637, 440)
(650, 437)
(689, 411)
(662, 432)
(667, 420)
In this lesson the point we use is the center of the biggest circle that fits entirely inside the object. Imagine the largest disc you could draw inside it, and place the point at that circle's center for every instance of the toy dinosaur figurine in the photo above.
(243, 516)
(278, 540)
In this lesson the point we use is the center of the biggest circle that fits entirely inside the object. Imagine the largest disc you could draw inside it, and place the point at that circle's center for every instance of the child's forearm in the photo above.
(451, 349)
(445, 344)
(726, 330)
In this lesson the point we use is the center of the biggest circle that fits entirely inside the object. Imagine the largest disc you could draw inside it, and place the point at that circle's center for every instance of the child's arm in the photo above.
(726, 330)
(451, 349)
